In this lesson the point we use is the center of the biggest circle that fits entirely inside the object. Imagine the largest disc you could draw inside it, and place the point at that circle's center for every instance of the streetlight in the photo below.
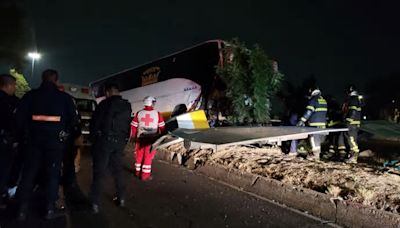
(34, 56)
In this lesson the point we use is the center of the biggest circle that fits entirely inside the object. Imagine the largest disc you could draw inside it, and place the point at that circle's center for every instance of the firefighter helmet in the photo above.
(314, 90)
(350, 88)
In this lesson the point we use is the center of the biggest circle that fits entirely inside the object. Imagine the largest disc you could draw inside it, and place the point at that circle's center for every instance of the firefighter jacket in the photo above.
(316, 112)
(352, 109)
(46, 114)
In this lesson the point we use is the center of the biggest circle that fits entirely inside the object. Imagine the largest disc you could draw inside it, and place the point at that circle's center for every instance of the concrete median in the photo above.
(348, 214)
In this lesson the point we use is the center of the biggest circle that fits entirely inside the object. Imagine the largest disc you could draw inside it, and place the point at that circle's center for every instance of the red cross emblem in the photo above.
(147, 120)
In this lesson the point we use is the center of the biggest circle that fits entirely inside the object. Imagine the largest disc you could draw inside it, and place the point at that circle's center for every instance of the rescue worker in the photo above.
(147, 125)
(46, 115)
(352, 113)
(8, 142)
(315, 116)
(110, 133)
(337, 150)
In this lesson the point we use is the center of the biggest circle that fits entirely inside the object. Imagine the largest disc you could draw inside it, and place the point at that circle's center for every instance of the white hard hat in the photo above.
(149, 101)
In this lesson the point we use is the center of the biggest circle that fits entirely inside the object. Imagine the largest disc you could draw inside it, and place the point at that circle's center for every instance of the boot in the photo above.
(95, 209)
(328, 156)
(353, 158)
(53, 213)
(302, 152)
(22, 212)
(342, 155)
(146, 177)
(137, 174)
(120, 202)
(315, 156)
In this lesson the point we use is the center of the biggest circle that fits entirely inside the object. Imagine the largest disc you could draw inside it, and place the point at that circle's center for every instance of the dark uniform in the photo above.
(7, 137)
(315, 115)
(352, 110)
(69, 181)
(337, 150)
(110, 130)
(48, 115)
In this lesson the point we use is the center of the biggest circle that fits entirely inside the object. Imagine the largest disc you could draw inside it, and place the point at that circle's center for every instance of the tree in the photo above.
(266, 81)
(252, 80)
(22, 84)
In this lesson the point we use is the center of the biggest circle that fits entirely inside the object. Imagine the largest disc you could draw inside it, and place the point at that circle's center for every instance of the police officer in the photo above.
(315, 115)
(8, 143)
(48, 116)
(352, 112)
(69, 182)
(110, 132)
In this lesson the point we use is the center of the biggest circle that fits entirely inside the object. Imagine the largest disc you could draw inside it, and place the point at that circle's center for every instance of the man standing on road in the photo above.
(110, 132)
(315, 115)
(147, 126)
(47, 115)
(8, 143)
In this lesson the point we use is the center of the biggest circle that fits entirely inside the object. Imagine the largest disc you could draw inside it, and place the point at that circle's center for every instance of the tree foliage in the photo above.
(22, 84)
(252, 80)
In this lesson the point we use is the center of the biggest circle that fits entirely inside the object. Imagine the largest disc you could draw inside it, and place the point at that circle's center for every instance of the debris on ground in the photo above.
(361, 183)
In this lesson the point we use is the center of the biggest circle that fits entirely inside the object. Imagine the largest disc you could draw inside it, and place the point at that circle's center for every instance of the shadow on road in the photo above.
(77, 213)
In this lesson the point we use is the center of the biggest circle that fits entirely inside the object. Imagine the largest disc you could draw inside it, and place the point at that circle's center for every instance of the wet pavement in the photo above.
(176, 197)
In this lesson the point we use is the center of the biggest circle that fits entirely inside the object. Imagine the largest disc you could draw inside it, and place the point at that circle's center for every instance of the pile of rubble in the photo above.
(359, 183)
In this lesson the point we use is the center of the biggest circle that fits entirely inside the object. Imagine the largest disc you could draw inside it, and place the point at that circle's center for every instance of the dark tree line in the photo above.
(382, 96)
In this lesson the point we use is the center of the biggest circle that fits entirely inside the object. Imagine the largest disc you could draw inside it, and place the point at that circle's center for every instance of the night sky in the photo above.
(337, 41)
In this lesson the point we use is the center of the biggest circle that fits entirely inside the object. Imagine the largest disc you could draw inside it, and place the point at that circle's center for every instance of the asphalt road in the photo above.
(176, 197)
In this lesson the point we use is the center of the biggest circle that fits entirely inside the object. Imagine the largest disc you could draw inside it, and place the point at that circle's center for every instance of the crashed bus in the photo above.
(187, 77)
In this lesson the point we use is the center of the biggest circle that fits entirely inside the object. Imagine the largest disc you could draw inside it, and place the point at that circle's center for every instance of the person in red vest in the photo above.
(147, 125)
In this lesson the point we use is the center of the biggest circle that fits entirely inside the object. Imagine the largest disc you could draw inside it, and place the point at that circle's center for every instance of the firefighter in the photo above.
(352, 113)
(315, 116)
(147, 125)
(8, 143)
(110, 131)
(47, 115)
(336, 150)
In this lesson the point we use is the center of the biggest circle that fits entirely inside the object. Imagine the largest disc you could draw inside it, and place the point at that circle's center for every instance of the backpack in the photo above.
(148, 133)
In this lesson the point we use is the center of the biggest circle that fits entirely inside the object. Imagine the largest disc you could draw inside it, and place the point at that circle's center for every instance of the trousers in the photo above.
(46, 157)
(107, 153)
(144, 159)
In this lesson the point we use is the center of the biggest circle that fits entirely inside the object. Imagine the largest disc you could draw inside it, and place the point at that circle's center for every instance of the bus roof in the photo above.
(164, 57)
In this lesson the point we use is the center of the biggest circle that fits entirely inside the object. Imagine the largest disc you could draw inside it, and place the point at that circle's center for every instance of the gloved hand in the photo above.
(301, 124)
